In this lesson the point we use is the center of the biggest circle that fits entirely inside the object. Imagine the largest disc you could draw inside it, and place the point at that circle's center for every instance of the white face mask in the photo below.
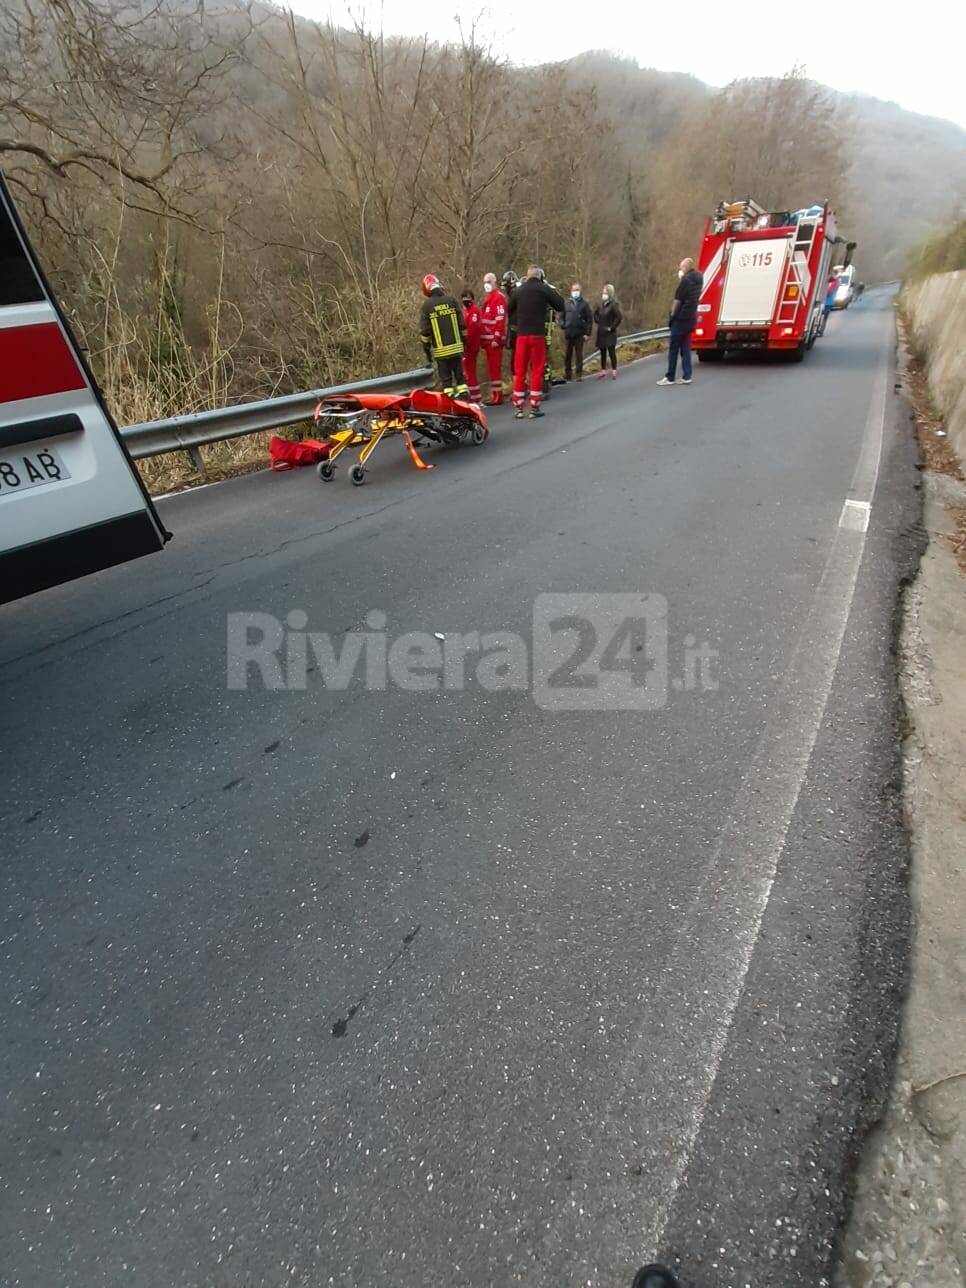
(488, 286)
(604, 296)
(575, 295)
(680, 272)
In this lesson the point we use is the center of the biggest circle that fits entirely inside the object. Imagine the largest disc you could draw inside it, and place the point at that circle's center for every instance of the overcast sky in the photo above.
(915, 60)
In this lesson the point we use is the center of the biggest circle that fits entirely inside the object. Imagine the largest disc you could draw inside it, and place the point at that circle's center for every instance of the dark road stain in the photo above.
(426, 781)
(195, 1134)
(187, 803)
(34, 816)
(361, 840)
(234, 783)
(340, 1026)
(272, 746)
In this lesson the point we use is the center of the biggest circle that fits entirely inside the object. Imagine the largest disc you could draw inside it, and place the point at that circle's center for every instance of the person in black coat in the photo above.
(608, 317)
(527, 315)
(684, 315)
(577, 323)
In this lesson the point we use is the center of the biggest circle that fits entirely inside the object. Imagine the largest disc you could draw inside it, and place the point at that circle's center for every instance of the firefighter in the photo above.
(528, 316)
(493, 335)
(473, 326)
(441, 330)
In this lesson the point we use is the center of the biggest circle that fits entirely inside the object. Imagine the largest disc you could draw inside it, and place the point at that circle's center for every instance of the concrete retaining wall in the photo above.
(936, 309)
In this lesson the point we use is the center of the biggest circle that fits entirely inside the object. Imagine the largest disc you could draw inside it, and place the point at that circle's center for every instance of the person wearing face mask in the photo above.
(577, 323)
(684, 315)
(608, 317)
(493, 335)
(473, 331)
(528, 318)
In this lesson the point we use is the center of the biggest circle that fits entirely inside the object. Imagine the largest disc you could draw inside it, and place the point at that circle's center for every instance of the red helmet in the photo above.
(431, 283)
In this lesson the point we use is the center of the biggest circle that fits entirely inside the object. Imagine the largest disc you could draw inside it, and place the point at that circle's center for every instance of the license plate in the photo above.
(22, 470)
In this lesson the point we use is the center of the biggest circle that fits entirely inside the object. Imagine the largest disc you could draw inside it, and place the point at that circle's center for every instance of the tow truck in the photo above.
(765, 276)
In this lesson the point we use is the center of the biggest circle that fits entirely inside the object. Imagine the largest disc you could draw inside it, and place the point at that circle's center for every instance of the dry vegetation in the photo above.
(239, 202)
(937, 454)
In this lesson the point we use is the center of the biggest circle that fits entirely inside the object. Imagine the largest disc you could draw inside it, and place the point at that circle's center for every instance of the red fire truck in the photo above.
(765, 279)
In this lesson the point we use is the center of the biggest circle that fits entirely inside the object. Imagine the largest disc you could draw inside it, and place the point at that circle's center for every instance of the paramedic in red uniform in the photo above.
(493, 335)
(528, 317)
(472, 337)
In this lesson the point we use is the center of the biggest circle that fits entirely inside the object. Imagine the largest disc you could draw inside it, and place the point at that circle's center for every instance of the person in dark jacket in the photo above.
(528, 318)
(510, 283)
(442, 331)
(684, 314)
(577, 323)
(608, 317)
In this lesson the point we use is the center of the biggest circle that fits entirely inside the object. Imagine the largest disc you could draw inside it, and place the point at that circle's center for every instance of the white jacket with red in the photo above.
(493, 319)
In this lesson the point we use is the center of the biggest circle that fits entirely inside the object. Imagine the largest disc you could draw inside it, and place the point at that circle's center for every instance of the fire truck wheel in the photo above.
(710, 355)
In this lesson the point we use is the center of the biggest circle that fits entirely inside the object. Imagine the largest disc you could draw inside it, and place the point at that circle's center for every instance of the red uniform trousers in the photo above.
(530, 353)
(494, 370)
(471, 373)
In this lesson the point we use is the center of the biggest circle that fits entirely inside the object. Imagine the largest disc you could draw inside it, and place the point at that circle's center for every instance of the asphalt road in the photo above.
(370, 985)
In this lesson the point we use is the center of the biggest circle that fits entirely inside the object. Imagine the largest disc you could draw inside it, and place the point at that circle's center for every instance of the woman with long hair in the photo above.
(608, 316)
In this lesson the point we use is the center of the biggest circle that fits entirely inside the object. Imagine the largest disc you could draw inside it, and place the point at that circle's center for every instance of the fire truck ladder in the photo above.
(799, 273)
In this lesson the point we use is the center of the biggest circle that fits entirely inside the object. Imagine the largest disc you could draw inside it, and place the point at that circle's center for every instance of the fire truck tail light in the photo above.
(791, 291)
(699, 331)
(787, 330)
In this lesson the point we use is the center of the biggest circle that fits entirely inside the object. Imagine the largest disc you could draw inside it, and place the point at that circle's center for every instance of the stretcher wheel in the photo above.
(358, 475)
(326, 471)
(478, 435)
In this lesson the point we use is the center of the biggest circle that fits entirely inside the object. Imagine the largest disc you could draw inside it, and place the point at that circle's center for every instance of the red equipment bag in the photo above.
(287, 455)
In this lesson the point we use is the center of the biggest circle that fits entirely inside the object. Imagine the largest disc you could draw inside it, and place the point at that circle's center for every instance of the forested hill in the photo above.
(235, 200)
(905, 176)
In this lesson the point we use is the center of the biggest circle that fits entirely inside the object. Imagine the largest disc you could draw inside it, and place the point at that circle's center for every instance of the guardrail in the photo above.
(191, 432)
(636, 337)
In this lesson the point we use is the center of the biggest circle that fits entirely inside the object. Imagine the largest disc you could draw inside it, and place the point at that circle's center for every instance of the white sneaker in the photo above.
(686, 382)
(664, 381)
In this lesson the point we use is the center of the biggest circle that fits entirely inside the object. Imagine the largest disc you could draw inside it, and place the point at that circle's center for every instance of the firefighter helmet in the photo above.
(510, 278)
(431, 283)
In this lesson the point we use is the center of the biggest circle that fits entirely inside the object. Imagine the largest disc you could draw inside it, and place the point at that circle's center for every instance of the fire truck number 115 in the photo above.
(759, 260)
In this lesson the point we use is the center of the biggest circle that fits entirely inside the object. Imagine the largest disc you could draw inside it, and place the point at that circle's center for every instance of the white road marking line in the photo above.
(666, 1080)
(195, 487)
(855, 515)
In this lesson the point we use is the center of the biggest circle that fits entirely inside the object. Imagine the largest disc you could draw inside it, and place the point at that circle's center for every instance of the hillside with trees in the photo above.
(238, 201)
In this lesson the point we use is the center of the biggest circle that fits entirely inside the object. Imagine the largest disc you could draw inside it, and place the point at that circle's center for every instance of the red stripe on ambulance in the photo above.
(36, 361)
